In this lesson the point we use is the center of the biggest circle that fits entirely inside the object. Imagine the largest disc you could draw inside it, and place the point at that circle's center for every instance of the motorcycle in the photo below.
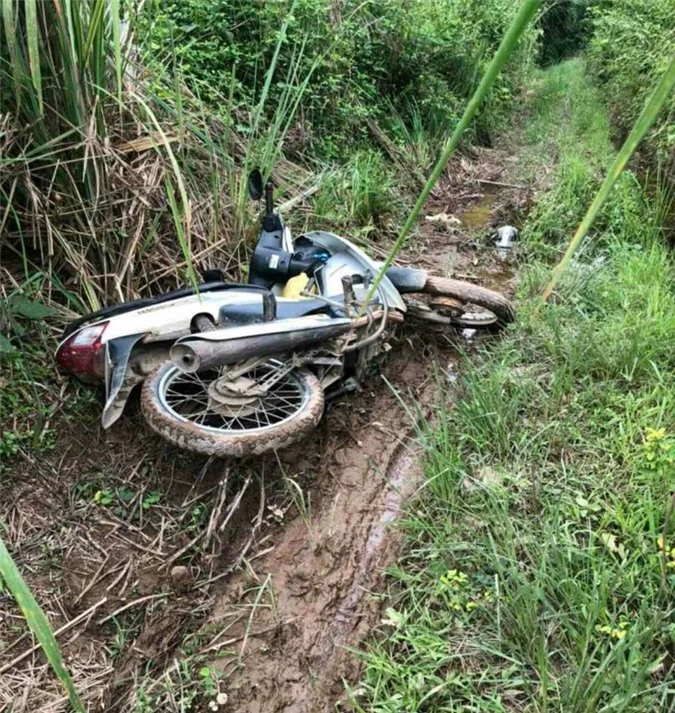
(240, 369)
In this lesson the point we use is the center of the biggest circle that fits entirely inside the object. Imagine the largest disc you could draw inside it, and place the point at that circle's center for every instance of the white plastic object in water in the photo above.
(506, 235)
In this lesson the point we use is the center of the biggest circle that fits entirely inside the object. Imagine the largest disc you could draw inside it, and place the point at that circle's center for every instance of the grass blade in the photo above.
(117, 44)
(32, 33)
(11, 33)
(508, 44)
(38, 623)
(645, 120)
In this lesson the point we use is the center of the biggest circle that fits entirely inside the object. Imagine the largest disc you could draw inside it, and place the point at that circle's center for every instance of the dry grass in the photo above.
(124, 565)
(114, 180)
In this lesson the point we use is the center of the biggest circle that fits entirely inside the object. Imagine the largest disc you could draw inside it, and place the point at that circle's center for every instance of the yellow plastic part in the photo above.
(295, 286)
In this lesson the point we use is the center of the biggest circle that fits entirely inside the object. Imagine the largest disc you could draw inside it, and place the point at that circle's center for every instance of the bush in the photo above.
(564, 30)
(363, 58)
(631, 46)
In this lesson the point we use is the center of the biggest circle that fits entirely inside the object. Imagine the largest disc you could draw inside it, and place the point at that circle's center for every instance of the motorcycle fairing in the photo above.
(347, 259)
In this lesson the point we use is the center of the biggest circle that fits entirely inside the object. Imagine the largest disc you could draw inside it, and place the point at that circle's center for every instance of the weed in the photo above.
(539, 555)
(361, 194)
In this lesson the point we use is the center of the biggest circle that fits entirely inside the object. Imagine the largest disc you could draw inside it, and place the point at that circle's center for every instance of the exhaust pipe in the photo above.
(197, 354)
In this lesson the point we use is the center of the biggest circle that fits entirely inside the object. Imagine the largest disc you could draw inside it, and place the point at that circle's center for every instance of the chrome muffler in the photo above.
(209, 350)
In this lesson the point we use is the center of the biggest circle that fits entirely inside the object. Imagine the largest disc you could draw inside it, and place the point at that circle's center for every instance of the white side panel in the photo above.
(171, 320)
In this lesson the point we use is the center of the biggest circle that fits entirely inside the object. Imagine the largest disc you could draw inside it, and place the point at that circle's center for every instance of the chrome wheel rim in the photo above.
(189, 398)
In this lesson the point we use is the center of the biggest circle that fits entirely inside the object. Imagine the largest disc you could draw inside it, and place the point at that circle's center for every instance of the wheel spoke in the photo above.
(188, 396)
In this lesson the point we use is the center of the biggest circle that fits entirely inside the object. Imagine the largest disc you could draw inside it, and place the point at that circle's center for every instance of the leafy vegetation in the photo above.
(647, 117)
(540, 553)
(630, 47)
(112, 179)
(364, 58)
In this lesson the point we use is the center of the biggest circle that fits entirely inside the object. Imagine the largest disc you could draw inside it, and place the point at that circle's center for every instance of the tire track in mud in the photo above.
(324, 567)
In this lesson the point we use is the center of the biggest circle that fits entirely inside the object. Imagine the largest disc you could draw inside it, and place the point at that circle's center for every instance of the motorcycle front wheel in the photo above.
(499, 305)
(266, 408)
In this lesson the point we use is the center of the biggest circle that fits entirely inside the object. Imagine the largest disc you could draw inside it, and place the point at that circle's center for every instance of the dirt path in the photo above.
(122, 537)
(311, 595)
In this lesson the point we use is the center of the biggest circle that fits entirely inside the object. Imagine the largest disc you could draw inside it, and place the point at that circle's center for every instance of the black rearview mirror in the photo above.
(256, 185)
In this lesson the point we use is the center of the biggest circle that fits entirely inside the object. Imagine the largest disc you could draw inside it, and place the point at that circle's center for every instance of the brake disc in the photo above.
(475, 319)
(447, 306)
(448, 311)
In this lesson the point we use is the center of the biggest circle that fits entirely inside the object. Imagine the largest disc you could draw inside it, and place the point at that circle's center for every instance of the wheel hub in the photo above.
(235, 397)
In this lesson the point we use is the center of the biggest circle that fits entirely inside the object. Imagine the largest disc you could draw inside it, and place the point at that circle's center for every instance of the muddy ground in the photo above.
(153, 563)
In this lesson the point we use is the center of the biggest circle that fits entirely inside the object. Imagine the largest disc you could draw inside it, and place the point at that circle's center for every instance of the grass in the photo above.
(540, 559)
(648, 116)
(38, 622)
(361, 194)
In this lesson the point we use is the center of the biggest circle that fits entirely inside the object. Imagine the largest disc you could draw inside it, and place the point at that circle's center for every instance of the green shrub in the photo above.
(426, 54)
(632, 43)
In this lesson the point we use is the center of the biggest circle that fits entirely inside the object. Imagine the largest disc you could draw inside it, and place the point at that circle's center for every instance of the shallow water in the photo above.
(478, 215)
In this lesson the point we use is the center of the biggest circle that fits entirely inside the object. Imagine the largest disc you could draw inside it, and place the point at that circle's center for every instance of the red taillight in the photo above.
(83, 354)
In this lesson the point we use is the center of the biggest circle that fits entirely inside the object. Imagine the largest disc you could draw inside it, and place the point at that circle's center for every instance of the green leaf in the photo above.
(29, 308)
(38, 623)
(6, 347)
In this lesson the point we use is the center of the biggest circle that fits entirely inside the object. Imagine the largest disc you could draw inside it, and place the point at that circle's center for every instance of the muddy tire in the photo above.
(191, 436)
(468, 292)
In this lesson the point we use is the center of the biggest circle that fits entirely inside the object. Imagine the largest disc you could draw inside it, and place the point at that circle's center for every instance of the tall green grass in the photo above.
(648, 116)
(540, 556)
(67, 178)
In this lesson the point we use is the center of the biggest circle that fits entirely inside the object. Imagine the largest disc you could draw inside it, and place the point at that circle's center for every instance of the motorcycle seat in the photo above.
(251, 312)
(115, 310)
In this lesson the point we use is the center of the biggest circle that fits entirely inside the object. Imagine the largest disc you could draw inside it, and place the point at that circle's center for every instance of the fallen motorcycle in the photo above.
(240, 369)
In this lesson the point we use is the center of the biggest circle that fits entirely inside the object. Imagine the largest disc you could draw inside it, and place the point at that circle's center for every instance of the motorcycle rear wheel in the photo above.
(184, 409)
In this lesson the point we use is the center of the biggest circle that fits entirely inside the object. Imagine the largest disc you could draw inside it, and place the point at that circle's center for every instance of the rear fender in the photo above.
(128, 362)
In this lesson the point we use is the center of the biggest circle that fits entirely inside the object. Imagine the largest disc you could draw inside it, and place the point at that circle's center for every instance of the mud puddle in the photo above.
(297, 610)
